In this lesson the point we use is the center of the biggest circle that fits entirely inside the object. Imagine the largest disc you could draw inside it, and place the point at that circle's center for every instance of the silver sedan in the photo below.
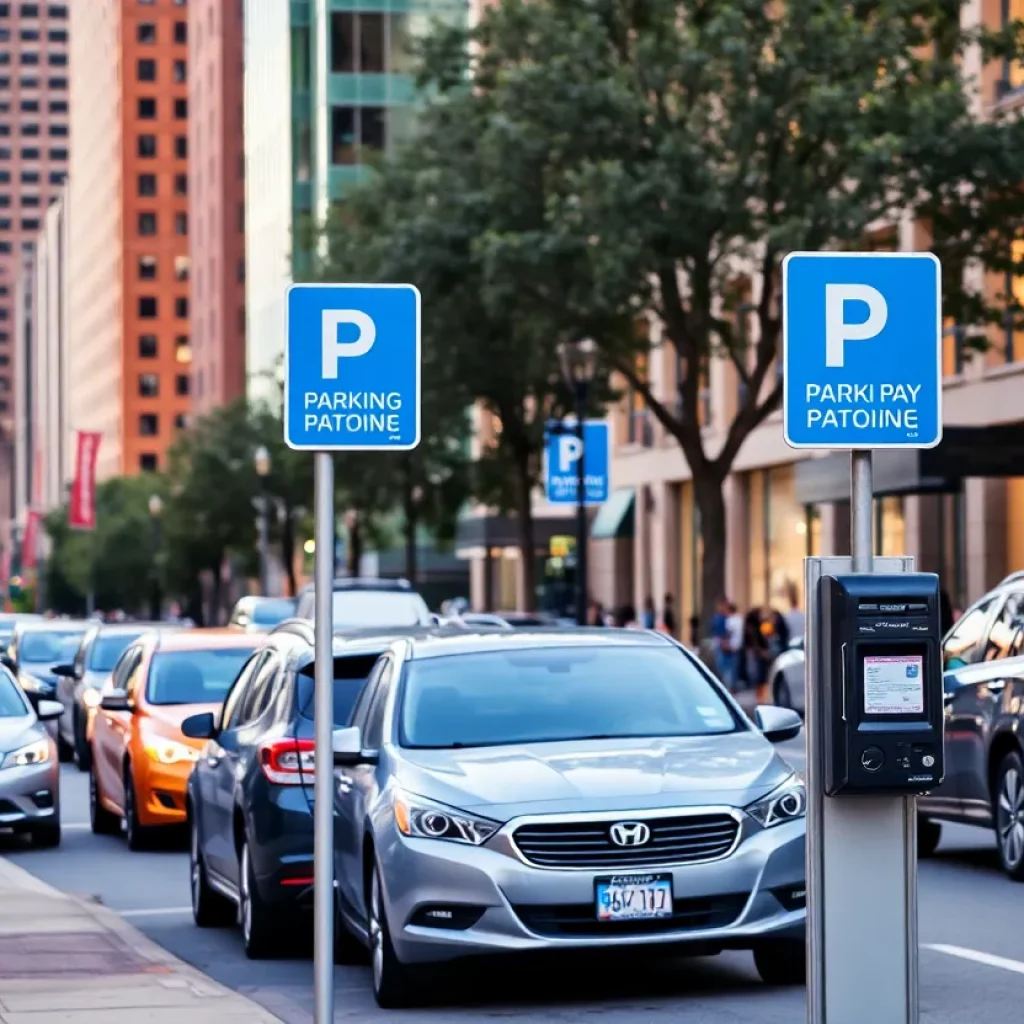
(787, 677)
(29, 772)
(532, 792)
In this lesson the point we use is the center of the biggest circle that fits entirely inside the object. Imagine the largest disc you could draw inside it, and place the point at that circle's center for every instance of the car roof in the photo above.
(120, 628)
(481, 641)
(204, 639)
(367, 583)
(53, 626)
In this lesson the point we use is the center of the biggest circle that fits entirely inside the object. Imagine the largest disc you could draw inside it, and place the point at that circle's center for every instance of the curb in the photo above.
(161, 961)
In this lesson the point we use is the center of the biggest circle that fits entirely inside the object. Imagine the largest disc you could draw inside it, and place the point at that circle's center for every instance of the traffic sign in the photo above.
(352, 367)
(862, 350)
(561, 462)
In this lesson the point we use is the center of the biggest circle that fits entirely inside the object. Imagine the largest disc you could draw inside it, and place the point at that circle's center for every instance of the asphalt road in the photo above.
(965, 903)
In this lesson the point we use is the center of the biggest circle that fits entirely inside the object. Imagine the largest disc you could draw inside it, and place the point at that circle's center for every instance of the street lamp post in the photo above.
(579, 364)
(261, 460)
(156, 507)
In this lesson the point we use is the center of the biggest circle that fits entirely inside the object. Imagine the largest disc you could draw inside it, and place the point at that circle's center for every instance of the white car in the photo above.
(787, 677)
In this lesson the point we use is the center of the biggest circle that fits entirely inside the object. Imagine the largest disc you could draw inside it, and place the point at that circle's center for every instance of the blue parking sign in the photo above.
(352, 367)
(862, 350)
(561, 462)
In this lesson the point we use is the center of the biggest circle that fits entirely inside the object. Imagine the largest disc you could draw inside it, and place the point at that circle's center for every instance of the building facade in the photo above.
(129, 269)
(329, 86)
(34, 143)
(217, 202)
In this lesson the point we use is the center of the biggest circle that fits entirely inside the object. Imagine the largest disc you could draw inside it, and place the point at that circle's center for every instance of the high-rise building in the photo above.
(130, 348)
(216, 203)
(326, 91)
(33, 165)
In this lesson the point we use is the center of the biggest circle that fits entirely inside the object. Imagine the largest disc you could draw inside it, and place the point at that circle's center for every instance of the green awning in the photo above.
(615, 518)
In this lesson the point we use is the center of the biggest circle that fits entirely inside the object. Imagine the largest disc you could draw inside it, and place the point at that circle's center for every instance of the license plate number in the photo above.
(633, 897)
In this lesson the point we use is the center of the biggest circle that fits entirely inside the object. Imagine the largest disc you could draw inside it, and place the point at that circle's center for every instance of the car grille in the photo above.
(678, 840)
(581, 918)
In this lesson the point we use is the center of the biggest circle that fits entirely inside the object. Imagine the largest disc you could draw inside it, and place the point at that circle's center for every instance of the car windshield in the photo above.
(48, 648)
(107, 649)
(350, 675)
(556, 694)
(194, 677)
(270, 613)
(12, 704)
(354, 609)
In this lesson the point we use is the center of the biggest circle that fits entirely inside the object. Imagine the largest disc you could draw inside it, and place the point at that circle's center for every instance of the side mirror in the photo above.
(348, 747)
(48, 710)
(200, 727)
(115, 700)
(778, 724)
(64, 671)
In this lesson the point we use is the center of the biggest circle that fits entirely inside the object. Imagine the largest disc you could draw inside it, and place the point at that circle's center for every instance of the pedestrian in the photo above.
(695, 632)
(755, 657)
(649, 616)
(796, 621)
(726, 657)
(595, 613)
(626, 618)
(668, 615)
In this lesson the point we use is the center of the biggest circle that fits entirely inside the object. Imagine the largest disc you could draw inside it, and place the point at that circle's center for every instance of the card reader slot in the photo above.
(842, 659)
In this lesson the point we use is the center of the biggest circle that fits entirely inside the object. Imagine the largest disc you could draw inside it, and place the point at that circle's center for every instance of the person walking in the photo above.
(649, 617)
(756, 654)
(668, 615)
(726, 656)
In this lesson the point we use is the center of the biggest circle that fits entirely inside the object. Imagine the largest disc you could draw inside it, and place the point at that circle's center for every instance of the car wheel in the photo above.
(1010, 816)
(102, 821)
(261, 925)
(83, 755)
(46, 836)
(928, 835)
(209, 908)
(782, 963)
(138, 835)
(783, 698)
(394, 984)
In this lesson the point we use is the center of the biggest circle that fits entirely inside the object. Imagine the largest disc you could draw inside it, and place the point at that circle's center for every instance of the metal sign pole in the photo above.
(323, 714)
(861, 496)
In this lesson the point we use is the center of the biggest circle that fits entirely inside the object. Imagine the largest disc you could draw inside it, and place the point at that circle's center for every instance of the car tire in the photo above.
(260, 923)
(780, 689)
(47, 836)
(783, 962)
(1009, 815)
(928, 835)
(209, 908)
(83, 755)
(394, 983)
(348, 949)
(139, 837)
(65, 750)
(102, 821)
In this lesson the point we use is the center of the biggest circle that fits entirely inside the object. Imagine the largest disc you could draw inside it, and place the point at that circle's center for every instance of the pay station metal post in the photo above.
(861, 853)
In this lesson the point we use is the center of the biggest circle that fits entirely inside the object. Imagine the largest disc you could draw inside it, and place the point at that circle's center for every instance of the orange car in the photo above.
(140, 758)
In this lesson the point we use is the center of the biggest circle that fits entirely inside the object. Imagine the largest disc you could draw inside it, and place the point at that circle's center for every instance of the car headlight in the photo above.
(786, 803)
(91, 697)
(31, 753)
(168, 751)
(423, 819)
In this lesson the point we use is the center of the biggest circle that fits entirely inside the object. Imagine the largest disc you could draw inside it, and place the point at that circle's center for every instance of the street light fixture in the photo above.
(261, 462)
(156, 507)
(578, 360)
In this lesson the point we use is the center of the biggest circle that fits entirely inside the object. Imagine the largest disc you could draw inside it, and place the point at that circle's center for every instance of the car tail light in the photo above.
(288, 762)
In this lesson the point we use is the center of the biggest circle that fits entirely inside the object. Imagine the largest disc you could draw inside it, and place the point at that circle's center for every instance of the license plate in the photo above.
(633, 897)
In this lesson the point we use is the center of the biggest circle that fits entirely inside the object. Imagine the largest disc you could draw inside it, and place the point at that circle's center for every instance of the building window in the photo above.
(181, 31)
(181, 307)
(147, 109)
(181, 268)
(57, 177)
(30, 224)
(147, 185)
(148, 307)
(147, 223)
(149, 425)
(57, 60)
(182, 349)
(29, 59)
(181, 184)
(181, 223)
(27, 199)
(147, 146)
(30, 106)
(146, 32)
(30, 177)
(30, 35)
(148, 462)
(57, 35)
(58, 106)
(181, 387)
(57, 131)
(147, 346)
(30, 153)
(180, 71)
(28, 83)
(149, 385)
(58, 153)
(181, 421)
(357, 43)
(147, 268)
(181, 109)
(181, 146)
(145, 70)
(57, 10)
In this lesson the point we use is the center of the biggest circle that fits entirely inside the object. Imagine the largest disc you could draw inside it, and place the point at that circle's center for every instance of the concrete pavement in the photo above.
(65, 959)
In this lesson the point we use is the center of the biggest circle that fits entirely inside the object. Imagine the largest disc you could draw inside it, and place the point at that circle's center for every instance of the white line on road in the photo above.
(153, 912)
(76, 826)
(988, 959)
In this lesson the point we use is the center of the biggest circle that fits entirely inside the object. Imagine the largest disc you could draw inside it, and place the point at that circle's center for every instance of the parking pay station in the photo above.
(862, 348)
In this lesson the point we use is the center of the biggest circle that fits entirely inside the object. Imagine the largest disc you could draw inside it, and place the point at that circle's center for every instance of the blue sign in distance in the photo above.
(862, 350)
(352, 367)
(561, 462)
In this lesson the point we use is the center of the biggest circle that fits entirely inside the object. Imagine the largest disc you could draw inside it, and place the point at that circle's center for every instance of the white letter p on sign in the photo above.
(569, 451)
(332, 350)
(838, 331)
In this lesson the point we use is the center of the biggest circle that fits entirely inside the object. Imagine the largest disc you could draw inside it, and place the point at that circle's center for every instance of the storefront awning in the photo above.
(615, 519)
(993, 451)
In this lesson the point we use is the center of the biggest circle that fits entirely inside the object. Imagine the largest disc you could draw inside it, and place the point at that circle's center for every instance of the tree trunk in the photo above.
(710, 503)
(411, 520)
(524, 502)
(355, 545)
(288, 549)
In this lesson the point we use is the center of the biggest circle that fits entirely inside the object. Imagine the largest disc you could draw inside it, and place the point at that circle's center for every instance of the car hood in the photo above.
(167, 718)
(597, 775)
(16, 732)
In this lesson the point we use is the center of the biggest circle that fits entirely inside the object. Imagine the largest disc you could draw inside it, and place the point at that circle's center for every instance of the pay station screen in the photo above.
(894, 685)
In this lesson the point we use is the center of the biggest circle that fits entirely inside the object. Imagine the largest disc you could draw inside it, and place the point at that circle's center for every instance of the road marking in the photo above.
(988, 959)
(76, 826)
(154, 912)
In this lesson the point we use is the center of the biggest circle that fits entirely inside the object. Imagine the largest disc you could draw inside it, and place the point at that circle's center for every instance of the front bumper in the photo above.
(753, 895)
(160, 790)
(30, 795)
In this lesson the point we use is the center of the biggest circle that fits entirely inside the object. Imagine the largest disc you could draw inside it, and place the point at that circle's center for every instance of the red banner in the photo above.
(82, 509)
(30, 541)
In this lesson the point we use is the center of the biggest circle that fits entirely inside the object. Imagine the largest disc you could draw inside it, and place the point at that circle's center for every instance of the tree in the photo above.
(681, 148)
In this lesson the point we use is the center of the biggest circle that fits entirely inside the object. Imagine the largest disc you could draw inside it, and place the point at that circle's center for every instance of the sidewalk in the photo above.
(64, 960)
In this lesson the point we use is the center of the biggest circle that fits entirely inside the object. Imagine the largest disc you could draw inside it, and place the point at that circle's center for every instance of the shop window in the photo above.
(148, 462)
(890, 527)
